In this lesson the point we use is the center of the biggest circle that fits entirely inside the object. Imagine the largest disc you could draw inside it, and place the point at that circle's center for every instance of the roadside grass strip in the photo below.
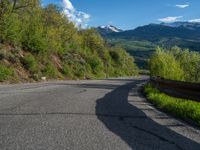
(187, 110)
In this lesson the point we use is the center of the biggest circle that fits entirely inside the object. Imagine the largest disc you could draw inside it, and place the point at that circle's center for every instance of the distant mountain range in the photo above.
(183, 34)
(141, 42)
(188, 25)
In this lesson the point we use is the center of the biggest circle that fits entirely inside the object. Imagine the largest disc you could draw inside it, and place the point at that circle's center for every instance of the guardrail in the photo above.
(178, 89)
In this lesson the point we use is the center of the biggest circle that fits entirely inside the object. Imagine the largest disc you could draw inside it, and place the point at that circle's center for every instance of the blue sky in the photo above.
(128, 14)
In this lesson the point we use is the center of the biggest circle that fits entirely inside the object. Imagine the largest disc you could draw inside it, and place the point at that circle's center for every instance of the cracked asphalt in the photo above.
(108, 114)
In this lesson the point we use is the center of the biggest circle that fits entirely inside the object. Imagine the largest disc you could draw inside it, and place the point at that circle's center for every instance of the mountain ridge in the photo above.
(142, 41)
(103, 30)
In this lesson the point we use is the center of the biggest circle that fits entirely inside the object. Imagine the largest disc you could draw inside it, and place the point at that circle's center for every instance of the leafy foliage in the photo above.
(5, 72)
(142, 41)
(50, 45)
(30, 63)
(50, 71)
(176, 64)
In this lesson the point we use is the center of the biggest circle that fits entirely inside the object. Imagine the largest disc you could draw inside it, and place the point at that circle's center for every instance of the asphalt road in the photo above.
(88, 115)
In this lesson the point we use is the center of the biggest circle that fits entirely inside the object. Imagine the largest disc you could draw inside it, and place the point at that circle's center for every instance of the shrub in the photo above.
(2, 55)
(190, 63)
(95, 64)
(115, 56)
(164, 64)
(30, 63)
(67, 71)
(50, 71)
(5, 72)
(34, 38)
(122, 63)
(10, 28)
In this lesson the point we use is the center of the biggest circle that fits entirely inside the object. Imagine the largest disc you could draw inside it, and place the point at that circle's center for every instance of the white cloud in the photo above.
(68, 5)
(77, 17)
(195, 20)
(170, 19)
(182, 5)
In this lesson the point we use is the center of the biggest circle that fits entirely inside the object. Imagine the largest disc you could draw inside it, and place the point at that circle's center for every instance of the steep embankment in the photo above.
(47, 45)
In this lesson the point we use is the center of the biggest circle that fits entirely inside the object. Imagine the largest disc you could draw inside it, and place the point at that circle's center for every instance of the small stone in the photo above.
(44, 78)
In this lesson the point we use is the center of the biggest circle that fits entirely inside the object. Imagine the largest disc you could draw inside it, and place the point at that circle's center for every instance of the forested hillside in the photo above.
(38, 41)
(142, 41)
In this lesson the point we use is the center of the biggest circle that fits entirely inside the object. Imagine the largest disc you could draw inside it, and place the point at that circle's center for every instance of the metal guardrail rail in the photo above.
(178, 89)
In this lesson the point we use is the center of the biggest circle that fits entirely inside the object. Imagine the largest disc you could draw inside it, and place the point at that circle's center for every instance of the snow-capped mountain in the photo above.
(111, 28)
(141, 41)
(188, 25)
(108, 29)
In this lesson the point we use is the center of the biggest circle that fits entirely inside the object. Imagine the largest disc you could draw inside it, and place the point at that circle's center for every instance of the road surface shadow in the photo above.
(133, 126)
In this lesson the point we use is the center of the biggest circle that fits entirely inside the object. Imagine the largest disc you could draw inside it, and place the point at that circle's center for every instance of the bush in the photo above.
(30, 63)
(5, 72)
(176, 64)
(3, 55)
(34, 39)
(115, 56)
(95, 64)
(190, 63)
(50, 71)
(122, 63)
(33, 30)
(10, 28)
(79, 72)
(67, 71)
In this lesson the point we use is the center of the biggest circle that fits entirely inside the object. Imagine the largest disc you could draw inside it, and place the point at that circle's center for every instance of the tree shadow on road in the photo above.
(133, 126)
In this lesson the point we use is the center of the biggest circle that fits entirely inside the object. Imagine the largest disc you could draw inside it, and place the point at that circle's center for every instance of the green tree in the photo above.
(44, 42)
(165, 65)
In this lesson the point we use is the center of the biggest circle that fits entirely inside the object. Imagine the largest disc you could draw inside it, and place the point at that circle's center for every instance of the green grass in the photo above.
(50, 71)
(5, 72)
(30, 63)
(184, 109)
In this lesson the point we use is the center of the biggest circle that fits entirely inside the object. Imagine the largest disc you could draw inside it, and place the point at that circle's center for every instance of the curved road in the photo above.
(88, 115)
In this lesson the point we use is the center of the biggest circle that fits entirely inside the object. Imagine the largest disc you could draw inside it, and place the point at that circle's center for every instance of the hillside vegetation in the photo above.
(37, 41)
(182, 108)
(176, 64)
(142, 41)
(141, 50)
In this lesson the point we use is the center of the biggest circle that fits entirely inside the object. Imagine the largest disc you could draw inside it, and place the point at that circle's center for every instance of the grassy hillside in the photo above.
(43, 43)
